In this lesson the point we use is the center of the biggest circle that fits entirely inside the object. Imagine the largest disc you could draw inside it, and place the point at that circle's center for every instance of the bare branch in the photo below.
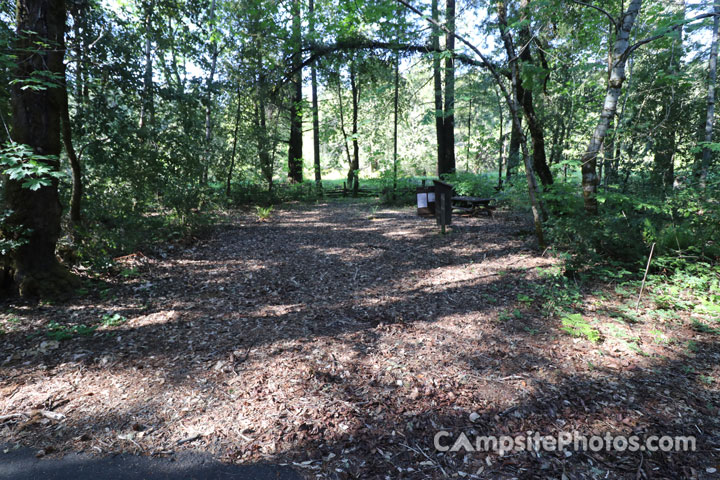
(318, 51)
(675, 27)
(601, 10)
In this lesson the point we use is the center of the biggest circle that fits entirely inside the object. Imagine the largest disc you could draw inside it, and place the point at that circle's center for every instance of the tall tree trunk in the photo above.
(710, 118)
(274, 147)
(467, 137)
(147, 108)
(77, 187)
(447, 164)
(315, 109)
(295, 150)
(501, 140)
(355, 89)
(36, 123)
(535, 127)
(232, 156)
(344, 132)
(78, 10)
(513, 160)
(316, 131)
(209, 94)
(608, 152)
(437, 82)
(621, 122)
(665, 142)
(267, 163)
(557, 139)
(615, 82)
(536, 204)
(395, 119)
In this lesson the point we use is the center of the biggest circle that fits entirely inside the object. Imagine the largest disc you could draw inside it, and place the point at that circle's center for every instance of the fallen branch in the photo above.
(189, 439)
(4, 418)
(652, 249)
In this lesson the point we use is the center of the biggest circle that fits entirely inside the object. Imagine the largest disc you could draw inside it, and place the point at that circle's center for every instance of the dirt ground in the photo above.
(340, 339)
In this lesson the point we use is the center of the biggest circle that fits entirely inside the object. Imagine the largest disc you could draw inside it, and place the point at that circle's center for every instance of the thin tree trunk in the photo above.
(448, 161)
(316, 132)
(147, 109)
(395, 119)
(315, 109)
(513, 160)
(557, 138)
(344, 133)
(615, 82)
(710, 118)
(267, 163)
(467, 138)
(274, 147)
(355, 89)
(501, 140)
(665, 142)
(208, 99)
(607, 151)
(232, 156)
(78, 14)
(621, 121)
(77, 187)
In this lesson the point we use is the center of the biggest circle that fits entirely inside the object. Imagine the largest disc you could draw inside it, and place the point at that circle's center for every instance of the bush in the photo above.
(471, 184)
(683, 226)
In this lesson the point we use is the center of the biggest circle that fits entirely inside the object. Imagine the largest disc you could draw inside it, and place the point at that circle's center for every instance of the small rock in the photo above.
(474, 416)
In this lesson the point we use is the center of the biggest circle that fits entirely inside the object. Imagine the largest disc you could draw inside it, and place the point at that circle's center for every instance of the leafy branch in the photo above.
(20, 163)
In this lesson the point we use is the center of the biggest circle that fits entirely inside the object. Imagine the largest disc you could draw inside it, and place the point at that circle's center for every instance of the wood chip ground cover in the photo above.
(340, 340)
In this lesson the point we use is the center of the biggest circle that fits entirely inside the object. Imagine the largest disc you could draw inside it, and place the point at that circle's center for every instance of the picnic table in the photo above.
(472, 205)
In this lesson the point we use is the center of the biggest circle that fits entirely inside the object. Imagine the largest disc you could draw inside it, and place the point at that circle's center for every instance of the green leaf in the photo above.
(35, 183)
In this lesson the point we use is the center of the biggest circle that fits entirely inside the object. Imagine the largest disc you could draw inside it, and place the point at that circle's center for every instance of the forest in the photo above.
(208, 222)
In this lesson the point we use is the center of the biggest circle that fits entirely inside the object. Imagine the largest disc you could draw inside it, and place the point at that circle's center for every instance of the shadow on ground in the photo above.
(342, 343)
(22, 464)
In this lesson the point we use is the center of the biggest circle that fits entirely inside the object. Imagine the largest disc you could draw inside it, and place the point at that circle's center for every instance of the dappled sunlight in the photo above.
(291, 343)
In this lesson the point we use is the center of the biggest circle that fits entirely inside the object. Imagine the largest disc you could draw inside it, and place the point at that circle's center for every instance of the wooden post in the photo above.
(442, 213)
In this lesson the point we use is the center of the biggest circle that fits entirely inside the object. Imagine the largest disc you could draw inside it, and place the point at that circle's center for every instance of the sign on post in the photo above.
(425, 200)
(443, 204)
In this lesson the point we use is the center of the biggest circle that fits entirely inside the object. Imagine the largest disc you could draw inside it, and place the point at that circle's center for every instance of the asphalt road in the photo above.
(21, 464)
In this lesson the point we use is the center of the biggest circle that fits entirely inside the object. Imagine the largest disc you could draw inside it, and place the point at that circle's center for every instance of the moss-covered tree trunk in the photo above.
(535, 126)
(36, 122)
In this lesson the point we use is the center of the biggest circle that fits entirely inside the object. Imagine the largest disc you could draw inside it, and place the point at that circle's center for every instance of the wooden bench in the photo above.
(473, 205)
